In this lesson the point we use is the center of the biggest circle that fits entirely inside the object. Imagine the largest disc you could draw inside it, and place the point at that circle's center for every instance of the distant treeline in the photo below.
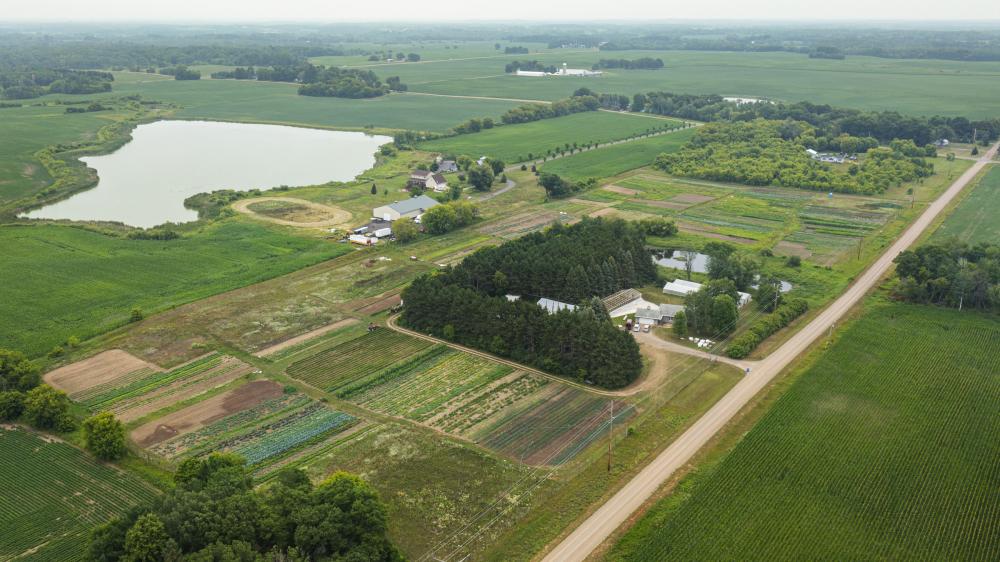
(36, 82)
(593, 258)
(515, 50)
(829, 121)
(644, 63)
(537, 111)
(951, 274)
(318, 80)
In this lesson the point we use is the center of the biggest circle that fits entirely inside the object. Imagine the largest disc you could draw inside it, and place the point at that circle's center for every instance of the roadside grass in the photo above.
(610, 161)
(801, 483)
(62, 281)
(977, 218)
(514, 143)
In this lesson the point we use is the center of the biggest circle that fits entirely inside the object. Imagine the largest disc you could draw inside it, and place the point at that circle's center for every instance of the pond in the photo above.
(145, 182)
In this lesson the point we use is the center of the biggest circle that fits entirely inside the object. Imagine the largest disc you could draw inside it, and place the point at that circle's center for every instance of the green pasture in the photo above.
(977, 218)
(513, 143)
(617, 159)
(62, 281)
(25, 130)
(885, 448)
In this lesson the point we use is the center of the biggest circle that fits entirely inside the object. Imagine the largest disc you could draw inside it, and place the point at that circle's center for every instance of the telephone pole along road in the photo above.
(595, 529)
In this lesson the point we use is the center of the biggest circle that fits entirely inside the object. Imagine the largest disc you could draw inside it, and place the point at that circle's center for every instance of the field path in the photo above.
(650, 339)
(579, 544)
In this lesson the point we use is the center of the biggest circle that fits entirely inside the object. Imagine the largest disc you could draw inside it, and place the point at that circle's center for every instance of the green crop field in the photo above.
(54, 494)
(347, 362)
(269, 102)
(513, 143)
(885, 448)
(977, 217)
(63, 281)
(905, 85)
(616, 159)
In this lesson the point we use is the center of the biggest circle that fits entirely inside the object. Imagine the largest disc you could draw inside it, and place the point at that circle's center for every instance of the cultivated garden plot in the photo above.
(129, 388)
(260, 421)
(54, 494)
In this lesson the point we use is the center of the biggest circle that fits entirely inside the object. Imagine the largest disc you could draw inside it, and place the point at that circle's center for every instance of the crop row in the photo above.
(146, 384)
(184, 387)
(421, 360)
(342, 364)
(421, 393)
(278, 438)
(481, 408)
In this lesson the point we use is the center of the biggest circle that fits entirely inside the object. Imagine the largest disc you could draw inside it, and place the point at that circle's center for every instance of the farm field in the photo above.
(29, 129)
(514, 143)
(976, 217)
(929, 87)
(54, 494)
(617, 159)
(271, 102)
(91, 281)
(869, 453)
(347, 363)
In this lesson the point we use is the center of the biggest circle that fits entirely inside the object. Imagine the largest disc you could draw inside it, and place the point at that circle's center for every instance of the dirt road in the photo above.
(595, 529)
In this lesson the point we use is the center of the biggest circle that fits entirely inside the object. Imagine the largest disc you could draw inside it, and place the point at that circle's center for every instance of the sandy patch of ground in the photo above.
(99, 369)
(199, 415)
(620, 189)
(382, 304)
(334, 216)
(692, 198)
(267, 351)
(785, 248)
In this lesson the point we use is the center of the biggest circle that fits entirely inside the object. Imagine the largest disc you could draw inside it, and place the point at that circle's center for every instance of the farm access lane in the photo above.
(579, 544)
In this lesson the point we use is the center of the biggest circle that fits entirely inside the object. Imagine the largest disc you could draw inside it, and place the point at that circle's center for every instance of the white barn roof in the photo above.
(553, 306)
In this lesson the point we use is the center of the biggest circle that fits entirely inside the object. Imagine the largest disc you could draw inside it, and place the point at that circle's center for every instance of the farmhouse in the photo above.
(662, 314)
(427, 180)
(404, 209)
(445, 166)
(554, 306)
(682, 288)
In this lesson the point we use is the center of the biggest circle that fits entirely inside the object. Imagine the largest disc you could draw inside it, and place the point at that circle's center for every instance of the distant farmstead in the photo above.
(562, 71)
(404, 209)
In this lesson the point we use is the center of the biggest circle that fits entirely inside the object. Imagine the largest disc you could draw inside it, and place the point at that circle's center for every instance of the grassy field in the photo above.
(513, 143)
(54, 494)
(870, 454)
(617, 159)
(269, 102)
(62, 281)
(976, 217)
(908, 86)
(29, 129)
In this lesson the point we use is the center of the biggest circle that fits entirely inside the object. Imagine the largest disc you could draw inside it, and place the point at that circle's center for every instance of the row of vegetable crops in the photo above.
(102, 397)
(342, 364)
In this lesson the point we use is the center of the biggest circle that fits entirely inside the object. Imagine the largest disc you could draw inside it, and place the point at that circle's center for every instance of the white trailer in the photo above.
(383, 232)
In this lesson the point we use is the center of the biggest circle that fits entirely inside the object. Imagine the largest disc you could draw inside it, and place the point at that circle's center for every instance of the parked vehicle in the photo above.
(383, 232)
(645, 328)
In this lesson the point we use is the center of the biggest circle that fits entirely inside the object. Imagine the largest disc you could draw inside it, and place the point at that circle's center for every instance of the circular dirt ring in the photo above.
(336, 216)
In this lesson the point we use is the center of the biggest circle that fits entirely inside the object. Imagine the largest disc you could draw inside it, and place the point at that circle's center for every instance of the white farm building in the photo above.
(404, 209)
(682, 288)
(553, 306)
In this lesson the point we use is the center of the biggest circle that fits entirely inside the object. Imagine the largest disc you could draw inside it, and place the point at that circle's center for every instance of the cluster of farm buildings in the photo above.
(563, 71)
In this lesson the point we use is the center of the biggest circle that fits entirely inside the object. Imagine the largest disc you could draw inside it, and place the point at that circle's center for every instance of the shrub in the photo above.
(761, 329)
(48, 408)
(105, 436)
(11, 405)
(794, 261)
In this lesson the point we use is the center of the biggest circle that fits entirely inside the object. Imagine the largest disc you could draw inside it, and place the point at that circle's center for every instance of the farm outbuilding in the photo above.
(662, 314)
(682, 288)
(404, 209)
(553, 306)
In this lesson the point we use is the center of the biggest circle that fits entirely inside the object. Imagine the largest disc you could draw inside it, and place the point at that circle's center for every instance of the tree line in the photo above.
(643, 63)
(467, 303)
(530, 65)
(763, 152)
(37, 82)
(214, 512)
(952, 274)
(537, 111)
(828, 121)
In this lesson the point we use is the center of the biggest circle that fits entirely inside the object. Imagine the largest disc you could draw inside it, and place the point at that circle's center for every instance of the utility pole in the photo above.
(611, 433)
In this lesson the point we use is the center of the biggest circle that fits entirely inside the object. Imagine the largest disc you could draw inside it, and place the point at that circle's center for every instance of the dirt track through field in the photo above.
(304, 337)
(579, 544)
(337, 216)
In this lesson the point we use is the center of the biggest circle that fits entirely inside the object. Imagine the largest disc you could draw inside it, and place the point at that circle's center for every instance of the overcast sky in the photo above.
(551, 10)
